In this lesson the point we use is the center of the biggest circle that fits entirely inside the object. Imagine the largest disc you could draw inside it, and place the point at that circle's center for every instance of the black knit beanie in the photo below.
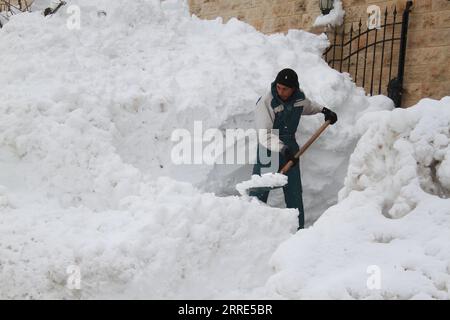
(288, 78)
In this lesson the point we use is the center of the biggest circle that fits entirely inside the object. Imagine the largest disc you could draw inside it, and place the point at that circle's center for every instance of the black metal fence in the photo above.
(371, 56)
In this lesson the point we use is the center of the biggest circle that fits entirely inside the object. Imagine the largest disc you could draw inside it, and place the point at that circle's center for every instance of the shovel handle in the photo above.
(308, 143)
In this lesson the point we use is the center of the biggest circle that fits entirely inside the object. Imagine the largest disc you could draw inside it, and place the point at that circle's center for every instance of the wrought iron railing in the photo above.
(355, 52)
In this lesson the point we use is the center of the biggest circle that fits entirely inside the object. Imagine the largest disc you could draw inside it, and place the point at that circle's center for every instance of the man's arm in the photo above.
(264, 118)
(310, 108)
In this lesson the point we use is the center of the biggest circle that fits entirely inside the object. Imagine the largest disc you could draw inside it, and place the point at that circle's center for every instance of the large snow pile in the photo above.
(86, 120)
(388, 237)
(146, 68)
(67, 197)
(167, 241)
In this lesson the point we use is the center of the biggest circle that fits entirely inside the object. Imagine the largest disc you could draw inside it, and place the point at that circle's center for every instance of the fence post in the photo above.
(395, 87)
(382, 54)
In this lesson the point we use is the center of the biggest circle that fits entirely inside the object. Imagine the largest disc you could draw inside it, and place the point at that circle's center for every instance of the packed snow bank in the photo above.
(334, 18)
(167, 241)
(392, 220)
(86, 120)
(113, 91)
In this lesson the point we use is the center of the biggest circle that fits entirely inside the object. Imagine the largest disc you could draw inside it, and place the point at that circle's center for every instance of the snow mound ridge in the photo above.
(80, 110)
(387, 238)
(169, 242)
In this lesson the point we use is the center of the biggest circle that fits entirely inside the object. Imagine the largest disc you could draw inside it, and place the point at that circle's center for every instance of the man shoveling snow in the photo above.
(281, 109)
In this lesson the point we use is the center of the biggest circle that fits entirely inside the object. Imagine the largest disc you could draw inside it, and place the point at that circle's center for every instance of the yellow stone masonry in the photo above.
(427, 68)
(4, 4)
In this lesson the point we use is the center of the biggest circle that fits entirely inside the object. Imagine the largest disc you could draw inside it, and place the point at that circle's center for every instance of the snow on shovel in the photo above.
(270, 181)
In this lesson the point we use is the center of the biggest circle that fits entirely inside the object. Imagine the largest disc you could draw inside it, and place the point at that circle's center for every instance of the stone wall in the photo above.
(427, 66)
(5, 4)
(427, 71)
(268, 16)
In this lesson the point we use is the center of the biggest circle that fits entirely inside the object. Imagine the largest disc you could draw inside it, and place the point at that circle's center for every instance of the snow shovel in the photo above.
(278, 184)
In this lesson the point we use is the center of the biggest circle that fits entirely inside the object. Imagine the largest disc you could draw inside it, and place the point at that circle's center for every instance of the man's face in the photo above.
(284, 92)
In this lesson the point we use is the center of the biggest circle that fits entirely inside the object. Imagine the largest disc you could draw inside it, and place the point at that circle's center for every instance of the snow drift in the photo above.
(74, 105)
(86, 177)
(393, 217)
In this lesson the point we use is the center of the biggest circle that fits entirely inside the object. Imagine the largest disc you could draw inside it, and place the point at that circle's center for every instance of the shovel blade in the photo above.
(262, 189)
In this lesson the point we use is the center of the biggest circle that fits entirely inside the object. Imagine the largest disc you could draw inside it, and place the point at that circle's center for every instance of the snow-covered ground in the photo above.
(86, 177)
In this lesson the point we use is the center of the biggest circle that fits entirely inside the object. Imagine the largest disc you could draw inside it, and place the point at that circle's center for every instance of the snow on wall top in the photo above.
(334, 18)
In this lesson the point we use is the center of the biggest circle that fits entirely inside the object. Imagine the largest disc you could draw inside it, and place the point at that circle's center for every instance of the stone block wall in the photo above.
(5, 4)
(268, 16)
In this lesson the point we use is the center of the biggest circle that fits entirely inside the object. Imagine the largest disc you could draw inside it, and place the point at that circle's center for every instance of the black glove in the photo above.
(288, 155)
(329, 115)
